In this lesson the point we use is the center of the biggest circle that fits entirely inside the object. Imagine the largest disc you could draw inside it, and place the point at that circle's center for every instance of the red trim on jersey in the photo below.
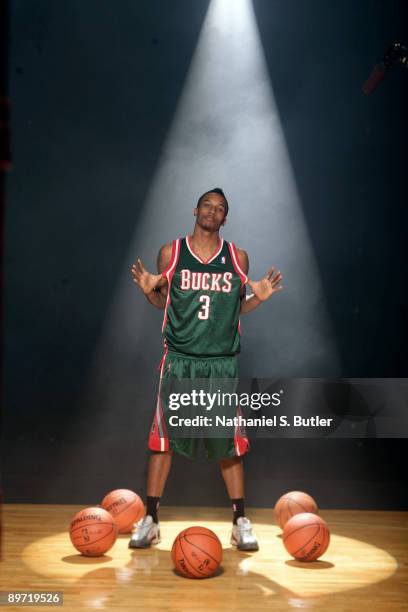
(235, 263)
(173, 252)
(169, 275)
(241, 442)
(213, 256)
(158, 437)
(163, 359)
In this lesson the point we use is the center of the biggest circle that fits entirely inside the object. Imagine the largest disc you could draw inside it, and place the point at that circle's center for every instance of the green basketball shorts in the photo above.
(177, 366)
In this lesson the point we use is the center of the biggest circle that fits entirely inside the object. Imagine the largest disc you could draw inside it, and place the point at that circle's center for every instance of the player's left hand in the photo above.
(267, 286)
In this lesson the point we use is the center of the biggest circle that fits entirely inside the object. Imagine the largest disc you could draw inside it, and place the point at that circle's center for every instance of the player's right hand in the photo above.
(146, 281)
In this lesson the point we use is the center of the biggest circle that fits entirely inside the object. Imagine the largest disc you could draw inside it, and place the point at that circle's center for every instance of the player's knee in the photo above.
(229, 461)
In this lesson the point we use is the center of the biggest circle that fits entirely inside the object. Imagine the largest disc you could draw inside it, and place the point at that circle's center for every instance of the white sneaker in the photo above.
(242, 536)
(145, 533)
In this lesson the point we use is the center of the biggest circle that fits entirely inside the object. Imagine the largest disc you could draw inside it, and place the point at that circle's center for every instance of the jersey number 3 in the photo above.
(204, 311)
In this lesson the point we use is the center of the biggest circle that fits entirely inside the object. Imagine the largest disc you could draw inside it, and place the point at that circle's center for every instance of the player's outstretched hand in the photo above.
(146, 281)
(267, 286)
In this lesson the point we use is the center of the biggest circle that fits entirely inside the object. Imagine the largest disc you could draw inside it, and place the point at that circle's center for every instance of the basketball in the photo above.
(93, 531)
(306, 536)
(125, 506)
(196, 552)
(293, 503)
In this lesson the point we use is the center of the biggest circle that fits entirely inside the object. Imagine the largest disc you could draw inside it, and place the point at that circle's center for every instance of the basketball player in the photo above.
(201, 287)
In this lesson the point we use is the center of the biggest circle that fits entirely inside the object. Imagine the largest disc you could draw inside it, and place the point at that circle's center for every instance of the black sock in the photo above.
(238, 508)
(152, 505)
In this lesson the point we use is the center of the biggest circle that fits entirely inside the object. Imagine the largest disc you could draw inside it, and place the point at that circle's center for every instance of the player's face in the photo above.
(211, 212)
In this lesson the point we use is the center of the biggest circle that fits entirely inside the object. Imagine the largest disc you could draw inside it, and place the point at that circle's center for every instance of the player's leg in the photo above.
(229, 452)
(232, 470)
(157, 472)
(233, 474)
(147, 531)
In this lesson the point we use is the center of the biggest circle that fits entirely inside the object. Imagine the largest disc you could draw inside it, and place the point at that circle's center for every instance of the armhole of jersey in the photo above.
(172, 257)
(235, 263)
(168, 273)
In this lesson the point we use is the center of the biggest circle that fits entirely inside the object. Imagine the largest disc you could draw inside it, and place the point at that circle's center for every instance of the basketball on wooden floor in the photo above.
(196, 552)
(93, 531)
(306, 536)
(125, 506)
(293, 503)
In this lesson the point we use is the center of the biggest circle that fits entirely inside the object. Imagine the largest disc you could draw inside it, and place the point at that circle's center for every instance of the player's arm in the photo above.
(262, 290)
(249, 302)
(154, 286)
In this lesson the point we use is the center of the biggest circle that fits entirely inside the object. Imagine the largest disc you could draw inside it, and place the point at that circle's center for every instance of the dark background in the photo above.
(94, 87)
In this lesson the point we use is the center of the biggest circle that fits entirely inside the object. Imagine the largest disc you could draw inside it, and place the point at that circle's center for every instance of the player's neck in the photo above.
(201, 238)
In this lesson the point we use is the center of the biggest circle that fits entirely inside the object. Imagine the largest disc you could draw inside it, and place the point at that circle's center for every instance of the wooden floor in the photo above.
(365, 567)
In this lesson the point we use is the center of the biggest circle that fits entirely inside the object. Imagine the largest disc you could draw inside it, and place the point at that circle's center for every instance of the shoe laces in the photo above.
(138, 524)
(246, 525)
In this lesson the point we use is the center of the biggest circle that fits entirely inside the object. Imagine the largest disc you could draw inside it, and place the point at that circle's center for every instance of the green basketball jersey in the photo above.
(202, 309)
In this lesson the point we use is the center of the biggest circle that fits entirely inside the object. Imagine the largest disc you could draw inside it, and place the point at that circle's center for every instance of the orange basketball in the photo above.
(125, 506)
(293, 503)
(196, 552)
(93, 531)
(306, 536)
